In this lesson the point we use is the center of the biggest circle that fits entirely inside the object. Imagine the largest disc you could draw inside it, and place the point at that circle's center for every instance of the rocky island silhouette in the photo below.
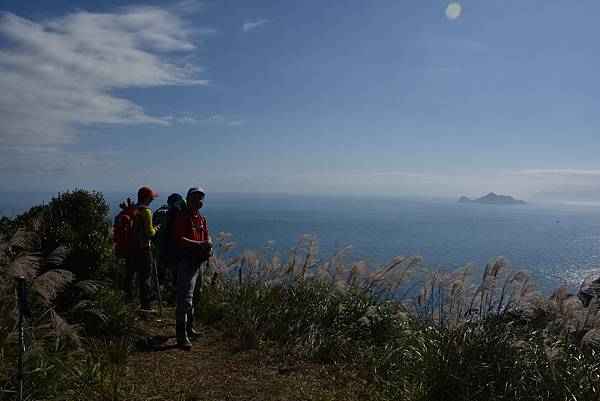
(493, 199)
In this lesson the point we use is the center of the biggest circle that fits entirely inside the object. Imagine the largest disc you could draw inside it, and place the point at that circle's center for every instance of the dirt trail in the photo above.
(214, 370)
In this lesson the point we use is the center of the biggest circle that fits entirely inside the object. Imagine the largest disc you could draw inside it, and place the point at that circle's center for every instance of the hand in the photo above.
(204, 246)
(203, 252)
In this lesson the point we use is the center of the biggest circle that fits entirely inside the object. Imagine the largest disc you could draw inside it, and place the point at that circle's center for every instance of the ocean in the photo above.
(556, 243)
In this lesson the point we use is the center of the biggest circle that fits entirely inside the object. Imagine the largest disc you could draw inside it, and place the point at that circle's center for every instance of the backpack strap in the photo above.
(188, 220)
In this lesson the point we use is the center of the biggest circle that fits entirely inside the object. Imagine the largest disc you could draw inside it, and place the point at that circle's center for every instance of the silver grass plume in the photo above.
(24, 240)
(50, 284)
(84, 306)
(26, 265)
(60, 328)
(57, 257)
(88, 286)
(592, 338)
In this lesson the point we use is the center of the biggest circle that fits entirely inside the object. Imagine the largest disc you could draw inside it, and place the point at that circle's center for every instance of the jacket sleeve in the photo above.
(147, 227)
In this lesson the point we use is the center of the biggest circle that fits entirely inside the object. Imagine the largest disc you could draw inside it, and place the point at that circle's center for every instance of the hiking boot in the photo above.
(189, 328)
(182, 341)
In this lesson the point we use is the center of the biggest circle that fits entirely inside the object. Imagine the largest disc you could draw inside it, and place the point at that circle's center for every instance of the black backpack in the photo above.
(165, 250)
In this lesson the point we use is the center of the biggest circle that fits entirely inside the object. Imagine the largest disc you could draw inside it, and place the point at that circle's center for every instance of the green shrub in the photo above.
(79, 332)
(78, 219)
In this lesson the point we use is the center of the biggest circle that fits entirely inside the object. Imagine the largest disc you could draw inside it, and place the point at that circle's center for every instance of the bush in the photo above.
(79, 331)
(78, 220)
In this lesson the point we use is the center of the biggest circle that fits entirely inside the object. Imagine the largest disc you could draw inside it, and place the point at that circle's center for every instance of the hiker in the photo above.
(123, 239)
(194, 245)
(141, 260)
(159, 219)
(160, 214)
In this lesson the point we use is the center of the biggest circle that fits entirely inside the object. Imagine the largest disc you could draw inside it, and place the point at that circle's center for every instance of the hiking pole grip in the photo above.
(23, 310)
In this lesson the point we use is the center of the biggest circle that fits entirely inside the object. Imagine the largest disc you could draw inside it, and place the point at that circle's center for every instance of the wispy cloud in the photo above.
(454, 43)
(242, 177)
(560, 183)
(392, 182)
(395, 175)
(224, 119)
(189, 6)
(557, 173)
(522, 184)
(59, 75)
(557, 178)
(216, 119)
(450, 185)
(250, 25)
(49, 159)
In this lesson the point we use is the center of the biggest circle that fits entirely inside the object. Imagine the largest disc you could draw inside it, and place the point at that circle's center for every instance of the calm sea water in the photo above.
(556, 243)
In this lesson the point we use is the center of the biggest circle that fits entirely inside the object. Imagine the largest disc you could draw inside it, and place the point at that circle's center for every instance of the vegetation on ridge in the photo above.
(397, 331)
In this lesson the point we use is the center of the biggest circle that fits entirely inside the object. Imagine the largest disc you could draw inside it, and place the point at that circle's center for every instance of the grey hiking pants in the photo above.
(189, 274)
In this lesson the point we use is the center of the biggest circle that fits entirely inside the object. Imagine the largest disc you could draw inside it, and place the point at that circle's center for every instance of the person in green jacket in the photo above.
(143, 231)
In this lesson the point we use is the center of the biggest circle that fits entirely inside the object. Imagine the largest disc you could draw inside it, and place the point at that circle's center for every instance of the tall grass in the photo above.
(79, 331)
(410, 332)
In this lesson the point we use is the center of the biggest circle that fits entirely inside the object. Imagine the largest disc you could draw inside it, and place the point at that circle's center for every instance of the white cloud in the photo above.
(560, 178)
(249, 25)
(394, 175)
(556, 173)
(48, 159)
(223, 119)
(562, 184)
(216, 119)
(183, 119)
(238, 176)
(449, 185)
(392, 183)
(58, 75)
(455, 43)
(189, 6)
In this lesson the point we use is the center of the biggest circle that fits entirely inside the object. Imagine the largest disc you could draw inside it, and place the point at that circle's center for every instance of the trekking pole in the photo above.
(155, 268)
(208, 265)
(23, 312)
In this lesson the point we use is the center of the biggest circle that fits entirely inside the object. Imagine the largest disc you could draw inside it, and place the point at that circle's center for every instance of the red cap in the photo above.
(146, 192)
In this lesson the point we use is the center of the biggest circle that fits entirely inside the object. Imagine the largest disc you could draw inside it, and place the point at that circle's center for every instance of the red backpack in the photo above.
(123, 230)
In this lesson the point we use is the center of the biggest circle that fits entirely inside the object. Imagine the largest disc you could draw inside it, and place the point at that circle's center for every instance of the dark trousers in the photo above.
(139, 262)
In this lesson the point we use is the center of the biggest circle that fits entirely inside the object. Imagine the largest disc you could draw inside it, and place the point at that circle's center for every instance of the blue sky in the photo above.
(386, 97)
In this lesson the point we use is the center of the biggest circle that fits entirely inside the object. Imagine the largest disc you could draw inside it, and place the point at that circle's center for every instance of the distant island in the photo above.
(493, 199)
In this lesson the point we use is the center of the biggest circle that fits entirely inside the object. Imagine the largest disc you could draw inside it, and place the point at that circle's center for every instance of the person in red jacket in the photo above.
(191, 238)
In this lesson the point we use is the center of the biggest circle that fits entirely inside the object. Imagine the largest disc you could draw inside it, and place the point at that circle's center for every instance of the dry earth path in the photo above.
(215, 370)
